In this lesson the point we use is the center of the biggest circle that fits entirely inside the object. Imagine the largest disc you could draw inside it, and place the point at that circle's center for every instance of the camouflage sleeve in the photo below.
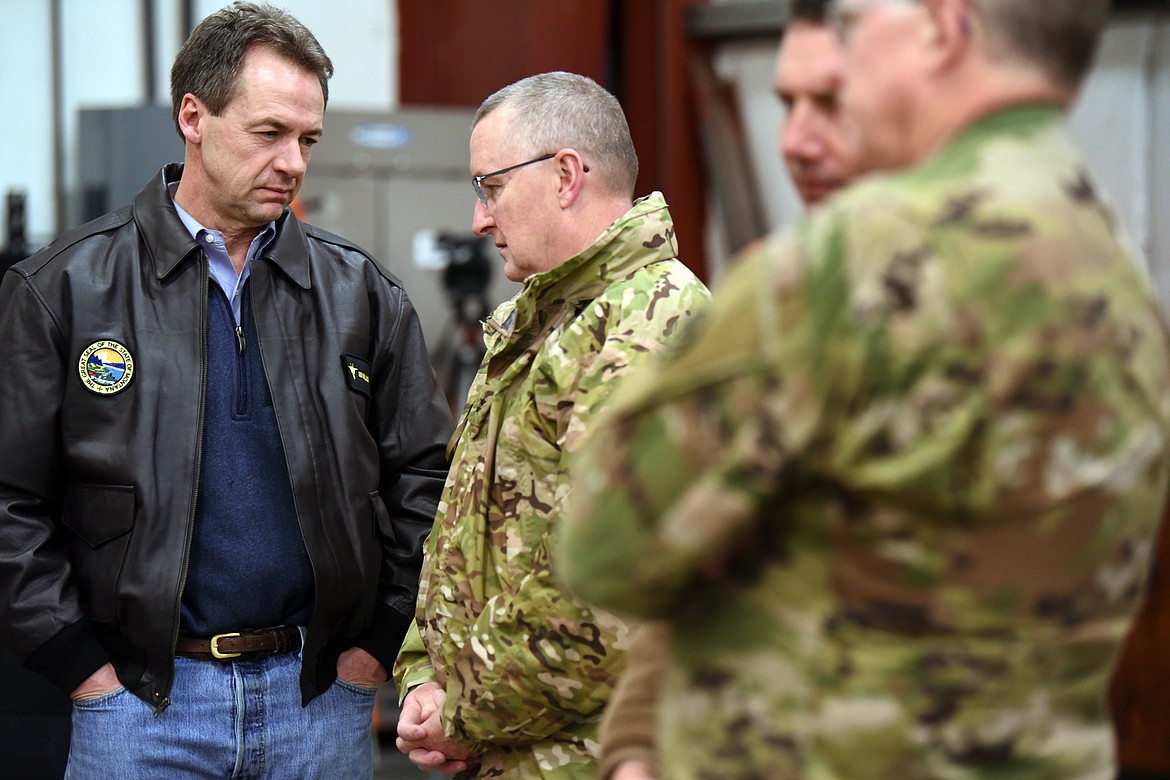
(666, 489)
(539, 659)
(413, 665)
(535, 664)
(631, 717)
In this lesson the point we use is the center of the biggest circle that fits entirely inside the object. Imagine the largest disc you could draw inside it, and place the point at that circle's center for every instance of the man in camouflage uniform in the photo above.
(895, 494)
(504, 670)
(817, 156)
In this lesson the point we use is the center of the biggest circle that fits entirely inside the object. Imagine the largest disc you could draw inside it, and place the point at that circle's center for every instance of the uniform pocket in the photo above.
(101, 518)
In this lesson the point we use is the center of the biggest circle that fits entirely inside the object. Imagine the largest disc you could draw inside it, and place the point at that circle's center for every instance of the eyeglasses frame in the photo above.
(477, 181)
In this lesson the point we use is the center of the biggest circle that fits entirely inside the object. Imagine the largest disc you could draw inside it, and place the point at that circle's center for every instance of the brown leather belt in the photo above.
(240, 645)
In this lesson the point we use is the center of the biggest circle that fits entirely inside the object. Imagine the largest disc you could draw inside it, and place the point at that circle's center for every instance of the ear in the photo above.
(191, 111)
(572, 170)
(953, 31)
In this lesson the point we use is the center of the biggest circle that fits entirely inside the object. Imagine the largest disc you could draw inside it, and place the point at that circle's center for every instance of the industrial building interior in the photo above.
(88, 122)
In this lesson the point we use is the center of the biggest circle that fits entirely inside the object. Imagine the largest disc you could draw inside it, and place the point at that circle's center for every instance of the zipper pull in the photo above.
(162, 705)
(240, 338)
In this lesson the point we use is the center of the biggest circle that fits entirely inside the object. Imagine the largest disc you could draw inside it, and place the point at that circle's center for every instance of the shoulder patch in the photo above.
(357, 374)
(106, 367)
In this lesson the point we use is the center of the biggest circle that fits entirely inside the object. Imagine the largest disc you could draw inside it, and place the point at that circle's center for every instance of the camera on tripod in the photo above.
(466, 276)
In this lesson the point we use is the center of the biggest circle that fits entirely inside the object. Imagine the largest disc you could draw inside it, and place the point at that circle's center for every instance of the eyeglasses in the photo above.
(477, 181)
(843, 15)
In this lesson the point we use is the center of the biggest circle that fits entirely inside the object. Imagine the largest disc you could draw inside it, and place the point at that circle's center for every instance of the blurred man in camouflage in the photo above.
(504, 670)
(895, 495)
(814, 146)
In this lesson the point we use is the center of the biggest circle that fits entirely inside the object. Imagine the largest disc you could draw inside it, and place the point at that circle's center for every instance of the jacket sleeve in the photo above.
(540, 659)
(413, 665)
(413, 424)
(629, 727)
(41, 616)
(668, 487)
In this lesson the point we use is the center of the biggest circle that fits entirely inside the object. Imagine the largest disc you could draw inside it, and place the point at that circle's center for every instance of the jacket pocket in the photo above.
(101, 518)
(382, 517)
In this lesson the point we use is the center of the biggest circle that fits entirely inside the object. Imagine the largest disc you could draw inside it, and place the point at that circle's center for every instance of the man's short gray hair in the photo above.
(558, 110)
(1059, 37)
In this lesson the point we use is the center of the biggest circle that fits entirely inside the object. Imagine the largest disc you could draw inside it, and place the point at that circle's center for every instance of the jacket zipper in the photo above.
(496, 326)
(253, 282)
(165, 701)
(243, 380)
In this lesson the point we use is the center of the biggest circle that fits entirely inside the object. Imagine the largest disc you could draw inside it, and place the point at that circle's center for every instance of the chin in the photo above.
(510, 270)
(269, 212)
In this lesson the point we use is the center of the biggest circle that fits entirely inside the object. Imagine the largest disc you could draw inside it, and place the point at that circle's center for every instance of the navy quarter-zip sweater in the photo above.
(248, 566)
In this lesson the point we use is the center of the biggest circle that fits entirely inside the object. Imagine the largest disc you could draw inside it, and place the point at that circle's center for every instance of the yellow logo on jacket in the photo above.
(106, 367)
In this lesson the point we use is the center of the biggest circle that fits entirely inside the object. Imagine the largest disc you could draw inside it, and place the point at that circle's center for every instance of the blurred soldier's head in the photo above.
(917, 71)
(809, 70)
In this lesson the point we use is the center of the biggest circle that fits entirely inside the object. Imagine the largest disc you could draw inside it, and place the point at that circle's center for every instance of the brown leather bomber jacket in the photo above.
(98, 473)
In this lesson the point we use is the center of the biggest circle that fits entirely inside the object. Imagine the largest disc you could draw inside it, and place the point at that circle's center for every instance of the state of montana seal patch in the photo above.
(106, 367)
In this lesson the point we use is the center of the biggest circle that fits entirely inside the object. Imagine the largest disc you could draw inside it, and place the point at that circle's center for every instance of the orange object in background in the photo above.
(298, 209)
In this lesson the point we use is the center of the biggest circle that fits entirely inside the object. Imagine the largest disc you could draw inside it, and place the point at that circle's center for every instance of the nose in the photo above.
(481, 219)
(798, 137)
(292, 158)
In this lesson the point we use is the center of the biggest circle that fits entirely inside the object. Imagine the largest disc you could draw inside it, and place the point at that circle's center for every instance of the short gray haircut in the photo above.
(558, 110)
(1059, 37)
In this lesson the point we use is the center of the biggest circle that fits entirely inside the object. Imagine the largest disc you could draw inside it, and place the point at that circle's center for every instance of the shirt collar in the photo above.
(201, 234)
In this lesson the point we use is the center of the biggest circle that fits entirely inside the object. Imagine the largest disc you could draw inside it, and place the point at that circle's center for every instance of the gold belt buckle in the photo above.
(215, 653)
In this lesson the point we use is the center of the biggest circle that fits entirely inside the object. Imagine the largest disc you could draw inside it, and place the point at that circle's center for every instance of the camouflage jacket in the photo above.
(527, 667)
(896, 492)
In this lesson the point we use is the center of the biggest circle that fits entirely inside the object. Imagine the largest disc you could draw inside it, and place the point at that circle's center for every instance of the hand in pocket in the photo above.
(101, 682)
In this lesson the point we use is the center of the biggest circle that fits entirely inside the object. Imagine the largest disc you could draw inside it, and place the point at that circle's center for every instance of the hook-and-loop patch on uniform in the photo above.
(357, 374)
(106, 367)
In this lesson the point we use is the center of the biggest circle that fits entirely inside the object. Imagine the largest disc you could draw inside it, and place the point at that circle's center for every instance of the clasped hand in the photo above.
(420, 732)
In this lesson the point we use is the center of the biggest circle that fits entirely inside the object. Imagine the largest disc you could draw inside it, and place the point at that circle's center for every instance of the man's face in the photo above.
(809, 71)
(254, 155)
(883, 76)
(517, 215)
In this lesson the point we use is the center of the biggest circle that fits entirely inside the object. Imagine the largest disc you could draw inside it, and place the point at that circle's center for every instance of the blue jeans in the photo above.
(227, 720)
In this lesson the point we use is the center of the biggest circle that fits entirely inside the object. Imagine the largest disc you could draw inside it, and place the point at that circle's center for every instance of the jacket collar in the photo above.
(170, 245)
(640, 237)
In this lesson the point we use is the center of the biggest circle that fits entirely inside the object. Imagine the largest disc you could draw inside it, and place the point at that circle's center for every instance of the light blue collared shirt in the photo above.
(220, 266)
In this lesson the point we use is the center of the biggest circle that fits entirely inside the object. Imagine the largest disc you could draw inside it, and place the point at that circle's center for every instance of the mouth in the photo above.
(279, 192)
(816, 190)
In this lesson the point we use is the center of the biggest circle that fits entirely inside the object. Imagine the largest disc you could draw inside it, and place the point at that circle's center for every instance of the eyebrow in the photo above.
(283, 126)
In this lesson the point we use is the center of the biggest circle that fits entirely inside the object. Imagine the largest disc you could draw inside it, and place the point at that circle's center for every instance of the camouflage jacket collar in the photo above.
(965, 149)
(618, 252)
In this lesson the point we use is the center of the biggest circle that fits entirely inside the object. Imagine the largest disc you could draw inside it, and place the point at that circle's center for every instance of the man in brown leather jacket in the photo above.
(223, 445)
